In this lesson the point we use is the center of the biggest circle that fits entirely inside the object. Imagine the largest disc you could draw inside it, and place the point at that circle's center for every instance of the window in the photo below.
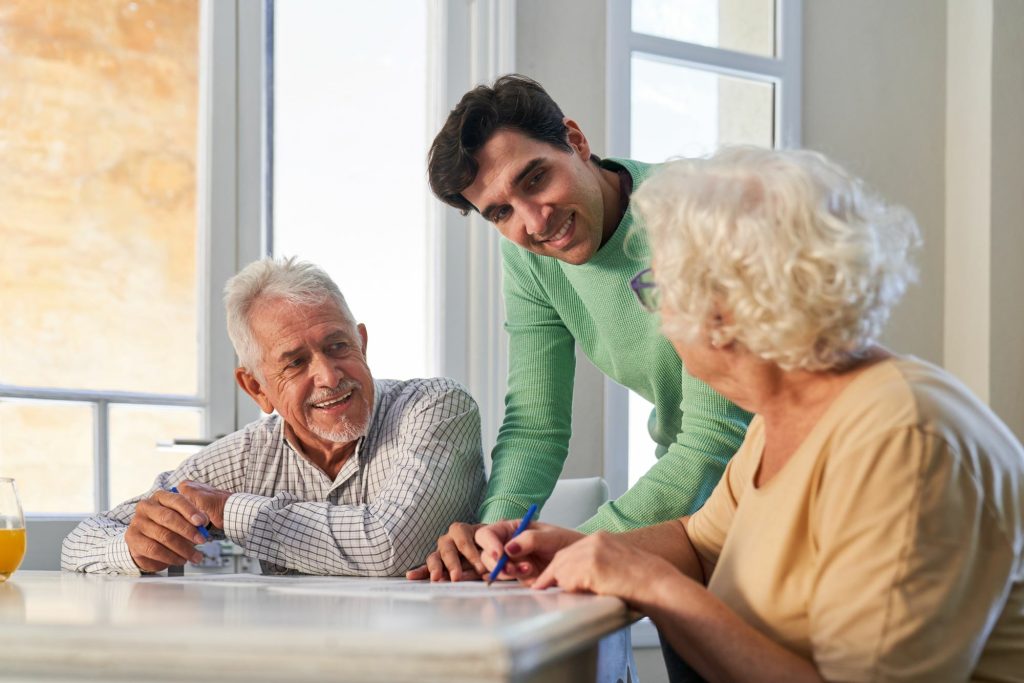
(102, 261)
(350, 190)
(684, 79)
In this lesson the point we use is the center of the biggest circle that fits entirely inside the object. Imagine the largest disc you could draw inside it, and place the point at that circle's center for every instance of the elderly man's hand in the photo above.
(207, 499)
(163, 532)
(457, 558)
(528, 553)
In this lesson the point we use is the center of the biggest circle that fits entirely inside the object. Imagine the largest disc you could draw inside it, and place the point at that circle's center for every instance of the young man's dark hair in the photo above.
(514, 101)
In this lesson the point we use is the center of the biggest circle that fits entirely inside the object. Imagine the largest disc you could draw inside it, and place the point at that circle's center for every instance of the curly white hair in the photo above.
(803, 259)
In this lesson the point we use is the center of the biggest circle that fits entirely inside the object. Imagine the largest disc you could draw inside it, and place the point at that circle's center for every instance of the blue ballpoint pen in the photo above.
(201, 529)
(503, 560)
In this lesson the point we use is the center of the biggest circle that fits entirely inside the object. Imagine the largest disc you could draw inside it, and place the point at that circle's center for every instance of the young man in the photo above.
(351, 476)
(569, 256)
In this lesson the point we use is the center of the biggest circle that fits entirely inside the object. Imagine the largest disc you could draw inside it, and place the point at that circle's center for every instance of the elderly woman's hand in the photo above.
(528, 553)
(608, 565)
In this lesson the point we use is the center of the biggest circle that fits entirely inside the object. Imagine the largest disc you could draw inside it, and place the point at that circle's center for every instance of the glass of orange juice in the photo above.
(12, 529)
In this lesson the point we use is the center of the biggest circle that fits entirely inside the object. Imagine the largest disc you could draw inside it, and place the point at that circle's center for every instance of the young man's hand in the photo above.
(457, 557)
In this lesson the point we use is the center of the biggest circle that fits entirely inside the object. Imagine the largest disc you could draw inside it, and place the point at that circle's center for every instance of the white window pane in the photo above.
(641, 445)
(680, 111)
(350, 141)
(739, 25)
(47, 446)
(135, 459)
(98, 127)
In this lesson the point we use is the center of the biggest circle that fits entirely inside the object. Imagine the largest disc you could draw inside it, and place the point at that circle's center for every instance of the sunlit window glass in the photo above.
(98, 115)
(99, 271)
(679, 111)
(350, 142)
(47, 446)
(739, 25)
(135, 457)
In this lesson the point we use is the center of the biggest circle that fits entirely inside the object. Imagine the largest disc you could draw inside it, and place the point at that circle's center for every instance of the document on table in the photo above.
(396, 588)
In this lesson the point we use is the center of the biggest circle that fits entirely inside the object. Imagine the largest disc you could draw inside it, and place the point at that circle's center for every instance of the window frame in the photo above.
(783, 71)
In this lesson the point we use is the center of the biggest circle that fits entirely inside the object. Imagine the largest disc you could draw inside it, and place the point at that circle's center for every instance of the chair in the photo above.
(574, 501)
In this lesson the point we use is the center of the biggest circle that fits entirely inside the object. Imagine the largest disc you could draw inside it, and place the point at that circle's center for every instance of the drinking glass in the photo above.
(12, 529)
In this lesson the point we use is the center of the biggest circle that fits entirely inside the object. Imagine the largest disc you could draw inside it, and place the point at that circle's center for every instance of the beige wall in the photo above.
(1007, 215)
(562, 45)
(874, 100)
(877, 97)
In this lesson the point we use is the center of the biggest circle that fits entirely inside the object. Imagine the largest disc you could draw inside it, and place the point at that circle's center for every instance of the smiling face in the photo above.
(547, 200)
(314, 373)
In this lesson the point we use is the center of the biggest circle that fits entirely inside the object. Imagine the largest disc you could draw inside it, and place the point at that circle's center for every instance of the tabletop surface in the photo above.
(246, 626)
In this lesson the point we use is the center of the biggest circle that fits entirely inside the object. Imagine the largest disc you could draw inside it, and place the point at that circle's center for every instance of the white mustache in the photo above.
(322, 395)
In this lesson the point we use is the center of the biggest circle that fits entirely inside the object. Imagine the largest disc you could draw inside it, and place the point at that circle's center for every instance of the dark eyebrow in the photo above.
(526, 170)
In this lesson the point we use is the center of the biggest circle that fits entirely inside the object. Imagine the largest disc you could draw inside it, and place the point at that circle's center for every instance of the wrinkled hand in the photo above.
(607, 565)
(528, 553)
(456, 559)
(206, 499)
(163, 532)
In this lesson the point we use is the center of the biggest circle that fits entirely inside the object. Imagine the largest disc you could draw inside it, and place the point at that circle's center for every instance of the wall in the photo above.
(876, 96)
(562, 45)
(1006, 356)
(874, 100)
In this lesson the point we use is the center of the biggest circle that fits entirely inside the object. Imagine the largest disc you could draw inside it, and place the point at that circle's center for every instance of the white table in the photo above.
(240, 627)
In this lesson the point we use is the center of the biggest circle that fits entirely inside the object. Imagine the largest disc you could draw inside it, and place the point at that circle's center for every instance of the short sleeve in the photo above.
(709, 526)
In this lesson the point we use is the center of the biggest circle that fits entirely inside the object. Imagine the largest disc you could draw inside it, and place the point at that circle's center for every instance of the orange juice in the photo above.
(12, 550)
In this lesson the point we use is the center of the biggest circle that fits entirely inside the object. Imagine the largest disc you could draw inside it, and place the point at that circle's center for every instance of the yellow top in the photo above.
(890, 546)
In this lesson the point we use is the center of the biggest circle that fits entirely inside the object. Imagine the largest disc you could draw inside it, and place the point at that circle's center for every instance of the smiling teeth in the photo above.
(333, 401)
(561, 233)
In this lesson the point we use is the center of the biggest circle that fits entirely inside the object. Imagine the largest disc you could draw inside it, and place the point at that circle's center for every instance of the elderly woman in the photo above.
(872, 525)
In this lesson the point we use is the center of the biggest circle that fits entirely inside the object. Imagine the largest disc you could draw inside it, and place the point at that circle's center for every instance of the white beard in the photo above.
(345, 432)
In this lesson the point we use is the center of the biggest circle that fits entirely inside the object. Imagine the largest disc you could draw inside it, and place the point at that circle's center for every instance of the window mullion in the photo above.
(101, 456)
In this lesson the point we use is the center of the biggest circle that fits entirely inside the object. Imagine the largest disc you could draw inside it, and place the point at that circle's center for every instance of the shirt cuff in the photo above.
(120, 558)
(500, 509)
(241, 512)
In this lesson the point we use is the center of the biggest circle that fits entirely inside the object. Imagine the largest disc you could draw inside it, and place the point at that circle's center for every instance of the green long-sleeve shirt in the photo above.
(550, 307)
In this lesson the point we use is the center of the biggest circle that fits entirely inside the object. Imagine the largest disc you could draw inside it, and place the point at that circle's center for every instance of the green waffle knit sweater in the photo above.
(552, 306)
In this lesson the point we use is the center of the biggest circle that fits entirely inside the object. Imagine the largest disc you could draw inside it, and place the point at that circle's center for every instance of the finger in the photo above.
(160, 515)
(547, 578)
(469, 573)
(183, 547)
(463, 537)
(184, 506)
(151, 550)
(450, 557)
(436, 567)
(492, 538)
(419, 573)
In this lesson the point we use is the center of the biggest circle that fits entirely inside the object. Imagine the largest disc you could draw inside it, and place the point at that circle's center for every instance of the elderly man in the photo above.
(350, 476)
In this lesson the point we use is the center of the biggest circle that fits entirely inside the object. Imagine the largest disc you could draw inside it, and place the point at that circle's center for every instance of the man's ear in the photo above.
(362, 335)
(252, 386)
(577, 139)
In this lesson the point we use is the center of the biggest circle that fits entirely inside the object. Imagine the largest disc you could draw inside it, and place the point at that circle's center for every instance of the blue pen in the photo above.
(201, 529)
(503, 560)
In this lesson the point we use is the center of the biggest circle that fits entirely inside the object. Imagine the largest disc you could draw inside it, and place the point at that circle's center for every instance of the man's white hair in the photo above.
(297, 282)
(804, 260)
